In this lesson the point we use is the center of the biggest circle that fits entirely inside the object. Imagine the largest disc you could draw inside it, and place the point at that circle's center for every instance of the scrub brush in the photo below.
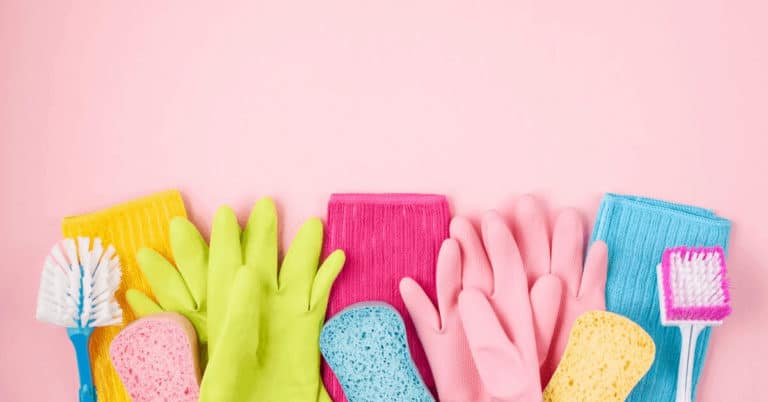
(693, 293)
(77, 291)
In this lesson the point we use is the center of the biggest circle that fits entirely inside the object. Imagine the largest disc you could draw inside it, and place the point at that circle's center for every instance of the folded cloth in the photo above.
(385, 237)
(637, 230)
(127, 227)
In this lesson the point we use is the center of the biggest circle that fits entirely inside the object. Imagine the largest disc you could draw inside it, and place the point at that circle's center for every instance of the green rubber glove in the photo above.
(181, 290)
(265, 323)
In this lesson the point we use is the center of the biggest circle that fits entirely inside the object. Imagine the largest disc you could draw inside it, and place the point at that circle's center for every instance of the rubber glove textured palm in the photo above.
(265, 328)
(481, 345)
(583, 284)
(181, 290)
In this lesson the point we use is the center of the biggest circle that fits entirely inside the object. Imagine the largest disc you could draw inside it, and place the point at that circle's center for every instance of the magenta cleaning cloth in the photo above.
(386, 237)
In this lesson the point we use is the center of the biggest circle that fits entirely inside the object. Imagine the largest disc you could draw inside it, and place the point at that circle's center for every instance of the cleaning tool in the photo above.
(157, 359)
(482, 342)
(583, 283)
(606, 355)
(385, 237)
(263, 322)
(181, 290)
(366, 347)
(637, 231)
(77, 291)
(693, 295)
(127, 227)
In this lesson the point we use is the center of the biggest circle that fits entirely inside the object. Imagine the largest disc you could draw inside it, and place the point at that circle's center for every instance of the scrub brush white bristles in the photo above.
(693, 294)
(77, 291)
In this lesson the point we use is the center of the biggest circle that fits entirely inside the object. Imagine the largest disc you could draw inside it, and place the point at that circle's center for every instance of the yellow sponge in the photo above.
(607, 354)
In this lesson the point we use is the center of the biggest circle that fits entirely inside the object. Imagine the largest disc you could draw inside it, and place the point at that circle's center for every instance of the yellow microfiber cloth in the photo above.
(606, 355)
(139, 223)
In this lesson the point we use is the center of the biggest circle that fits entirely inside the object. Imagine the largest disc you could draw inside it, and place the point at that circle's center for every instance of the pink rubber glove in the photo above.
(441, 332)
(584, 284)
(463, 369)
(499, 326)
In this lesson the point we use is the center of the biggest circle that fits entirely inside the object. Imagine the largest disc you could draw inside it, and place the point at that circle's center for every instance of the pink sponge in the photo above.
(157, 359)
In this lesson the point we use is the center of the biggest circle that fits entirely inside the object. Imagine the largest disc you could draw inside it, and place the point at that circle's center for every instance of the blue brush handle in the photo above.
(79, 338)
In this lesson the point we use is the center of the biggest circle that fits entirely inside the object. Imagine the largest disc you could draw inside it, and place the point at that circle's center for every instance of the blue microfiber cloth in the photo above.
(366, 347)
(637, 230)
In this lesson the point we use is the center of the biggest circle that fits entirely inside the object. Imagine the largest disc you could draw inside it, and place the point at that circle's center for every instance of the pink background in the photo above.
(100, 103)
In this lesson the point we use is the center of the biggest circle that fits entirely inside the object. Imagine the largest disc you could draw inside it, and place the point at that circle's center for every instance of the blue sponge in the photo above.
(366, 347)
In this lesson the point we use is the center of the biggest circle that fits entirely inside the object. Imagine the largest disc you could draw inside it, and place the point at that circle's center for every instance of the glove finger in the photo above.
(595, 274)
(237, 345)
(448, 277)
(225, 258)
(510, 286)
(260, 241)
(243, 309)
(476, 270)
(191, 254)
(532, 235)
(141, 304)
(568, 250)
(420, 308)
(225, 253)
(491, 349)
(166, 281)
(327, 273)
(546, 295)
(300, 263)
(509, 279)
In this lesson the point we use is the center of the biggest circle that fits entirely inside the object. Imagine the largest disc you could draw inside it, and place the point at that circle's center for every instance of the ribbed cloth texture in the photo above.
(140, 223)
(637, 230)
(385, 237)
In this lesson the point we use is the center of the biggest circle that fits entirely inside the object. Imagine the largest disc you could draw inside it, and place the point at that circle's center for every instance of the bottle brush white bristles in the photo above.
(77, 291)
(78, 285)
